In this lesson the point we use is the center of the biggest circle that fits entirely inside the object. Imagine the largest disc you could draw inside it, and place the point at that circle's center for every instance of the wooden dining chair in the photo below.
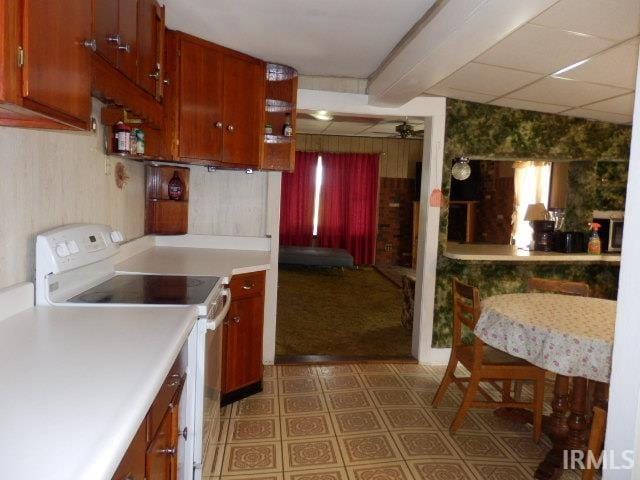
(485, 364)
(596, 442)
(565, 287)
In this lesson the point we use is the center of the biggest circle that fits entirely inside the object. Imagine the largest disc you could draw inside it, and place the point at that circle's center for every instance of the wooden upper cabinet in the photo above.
(150, 46)
(128, 31)
(243, 110)
(105, 29)
(201, 119)
(57, 65)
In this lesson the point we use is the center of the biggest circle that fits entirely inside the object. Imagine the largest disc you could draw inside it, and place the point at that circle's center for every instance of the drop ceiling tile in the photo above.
(616, 67)
(489, 79)
(622, 105)
(561, 91)
(601, 116)
(526, 105)
(385, 127)
(305, 125)
(460, 94)
(613, 19)
(346, 128)
(542, 50)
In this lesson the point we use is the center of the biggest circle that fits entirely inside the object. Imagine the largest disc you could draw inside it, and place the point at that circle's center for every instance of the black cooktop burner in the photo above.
(150, 289)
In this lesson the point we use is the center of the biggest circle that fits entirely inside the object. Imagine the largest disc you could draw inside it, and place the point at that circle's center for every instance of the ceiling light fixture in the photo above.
(570, 67)
(322, 115)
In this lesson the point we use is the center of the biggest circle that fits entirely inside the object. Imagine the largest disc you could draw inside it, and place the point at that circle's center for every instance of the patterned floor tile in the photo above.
(260, 476)
(297, 386)
(243, 430)
(368, 448)
(496, 424)
(488, 470)
(301, 404)
(413, 368)
(523, 448)
(219, 435)
(387, 397)
(306, 426)
(269, 388)
(225, 412)
(357, 421)
(440, 469)
(422, 382)
(414, 445)
(380, 471)
(407, 418)
(373, 368)
(320, 474)
(285, 371)
(479, 446)
(329, 370)
(444, 416)
(255, 407)
(383, 380)
(452, 399)
(269, 371)
(348, 400)
(340, 382)
(252, 458)
(213, 457)
(311, 454)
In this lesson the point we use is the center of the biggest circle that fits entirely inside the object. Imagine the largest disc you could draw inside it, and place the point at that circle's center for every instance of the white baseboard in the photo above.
(437, 356)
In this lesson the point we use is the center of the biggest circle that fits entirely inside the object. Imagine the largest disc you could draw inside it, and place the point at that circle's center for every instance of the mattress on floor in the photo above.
(316, 257)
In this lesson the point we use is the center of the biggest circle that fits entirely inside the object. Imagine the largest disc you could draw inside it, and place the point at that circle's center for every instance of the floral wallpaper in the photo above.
(598, 153)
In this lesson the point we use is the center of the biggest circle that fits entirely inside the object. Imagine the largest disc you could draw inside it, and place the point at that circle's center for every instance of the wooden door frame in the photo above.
(433, 110)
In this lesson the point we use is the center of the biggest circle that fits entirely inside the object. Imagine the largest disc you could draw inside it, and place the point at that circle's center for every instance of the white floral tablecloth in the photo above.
(564, 334)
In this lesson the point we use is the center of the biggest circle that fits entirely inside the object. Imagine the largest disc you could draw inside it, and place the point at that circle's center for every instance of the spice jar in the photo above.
(121, 138)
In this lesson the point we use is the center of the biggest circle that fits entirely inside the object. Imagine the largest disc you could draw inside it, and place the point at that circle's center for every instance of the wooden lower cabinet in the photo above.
(153, 452)
(242, 368)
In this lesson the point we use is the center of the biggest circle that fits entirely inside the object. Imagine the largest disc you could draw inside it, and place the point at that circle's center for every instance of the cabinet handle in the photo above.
(174, 383)
(184, 433)
(218, 124)
(248, 286)
(114, 38)
(91, 44)
(236, 319)
(126, 48)
(155, 75)
(166, 81)
(231, 128)
(167, 451)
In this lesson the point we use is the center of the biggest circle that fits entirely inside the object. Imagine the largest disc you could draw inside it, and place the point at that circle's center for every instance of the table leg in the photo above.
(577, 422)
(557, 429)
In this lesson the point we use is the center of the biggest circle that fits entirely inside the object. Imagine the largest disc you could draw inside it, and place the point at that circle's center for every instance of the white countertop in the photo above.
(196, 261)
(78, 381)
(509, 253)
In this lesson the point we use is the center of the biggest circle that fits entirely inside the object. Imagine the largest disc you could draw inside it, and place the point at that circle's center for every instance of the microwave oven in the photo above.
(612, 225)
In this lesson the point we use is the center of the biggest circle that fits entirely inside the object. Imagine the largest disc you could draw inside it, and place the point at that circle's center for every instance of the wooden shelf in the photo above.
(139, 158)
(277, 139)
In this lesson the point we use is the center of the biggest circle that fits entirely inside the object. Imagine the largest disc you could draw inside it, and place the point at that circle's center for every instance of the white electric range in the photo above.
(75, 265)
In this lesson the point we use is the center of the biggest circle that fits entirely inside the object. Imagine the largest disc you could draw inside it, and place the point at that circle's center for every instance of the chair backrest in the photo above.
(466, 308)
(580, 289)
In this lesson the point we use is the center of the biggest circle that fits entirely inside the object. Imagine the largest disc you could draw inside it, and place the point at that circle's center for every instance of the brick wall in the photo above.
(395, 221)
(496, 206)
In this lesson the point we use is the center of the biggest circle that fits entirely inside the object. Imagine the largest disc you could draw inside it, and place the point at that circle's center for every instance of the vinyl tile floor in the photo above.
(365, 422)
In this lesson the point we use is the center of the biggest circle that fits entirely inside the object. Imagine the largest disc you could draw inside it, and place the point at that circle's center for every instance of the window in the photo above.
(316, 197)
(532, 180)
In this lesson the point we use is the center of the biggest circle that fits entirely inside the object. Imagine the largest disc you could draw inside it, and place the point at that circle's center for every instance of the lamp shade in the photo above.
(535, 211)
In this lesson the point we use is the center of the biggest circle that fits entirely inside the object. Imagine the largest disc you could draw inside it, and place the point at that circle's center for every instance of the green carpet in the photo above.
(335, 312)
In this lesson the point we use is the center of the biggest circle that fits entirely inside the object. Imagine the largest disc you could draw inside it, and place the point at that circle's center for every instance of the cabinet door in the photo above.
(128, 29)
(161, 450)
(200, 123)
(243, 110)
(150, 46)
(57, 70)
(243, 343)
(133, 463)
(105, 29)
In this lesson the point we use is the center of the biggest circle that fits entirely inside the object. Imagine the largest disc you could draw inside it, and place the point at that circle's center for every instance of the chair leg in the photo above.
(538, 405)
(469, 396)
(517, 391)
(446, 379)
(506, 391)
(596, 441)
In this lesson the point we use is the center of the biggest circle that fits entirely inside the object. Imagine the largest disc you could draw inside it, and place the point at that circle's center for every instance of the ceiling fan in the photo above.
(405, 130)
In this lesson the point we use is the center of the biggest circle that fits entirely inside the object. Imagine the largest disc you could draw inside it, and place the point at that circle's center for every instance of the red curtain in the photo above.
(349, 204)
(296, 207)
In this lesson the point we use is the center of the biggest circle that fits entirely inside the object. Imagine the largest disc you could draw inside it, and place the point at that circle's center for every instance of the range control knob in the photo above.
(73, 247)
(62, 250)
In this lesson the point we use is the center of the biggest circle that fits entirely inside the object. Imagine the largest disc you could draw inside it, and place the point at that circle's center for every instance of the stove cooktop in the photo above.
(150, 289)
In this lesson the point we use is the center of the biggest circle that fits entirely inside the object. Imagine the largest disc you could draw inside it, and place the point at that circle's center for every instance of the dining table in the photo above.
(571, 336)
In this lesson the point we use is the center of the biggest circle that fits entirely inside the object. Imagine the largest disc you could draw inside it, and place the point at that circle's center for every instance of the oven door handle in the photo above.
(216, 321)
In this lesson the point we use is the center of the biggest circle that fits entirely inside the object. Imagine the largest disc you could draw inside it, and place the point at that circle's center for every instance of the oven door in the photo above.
(615, 235)
(209, 382)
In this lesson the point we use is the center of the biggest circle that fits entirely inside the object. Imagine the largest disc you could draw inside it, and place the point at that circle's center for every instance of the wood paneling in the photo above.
(398, 159)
